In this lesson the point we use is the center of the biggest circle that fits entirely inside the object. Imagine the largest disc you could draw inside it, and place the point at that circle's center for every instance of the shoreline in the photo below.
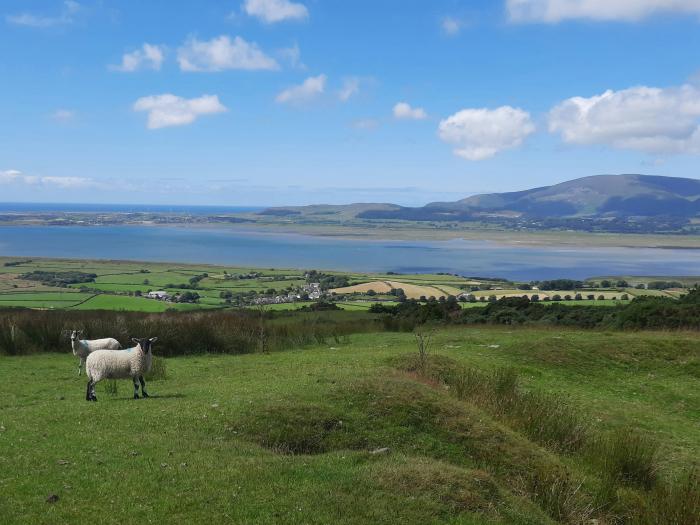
(563, 239)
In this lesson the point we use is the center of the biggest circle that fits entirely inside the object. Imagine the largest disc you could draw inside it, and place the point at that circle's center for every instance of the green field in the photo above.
(119, 285)
(299, 436)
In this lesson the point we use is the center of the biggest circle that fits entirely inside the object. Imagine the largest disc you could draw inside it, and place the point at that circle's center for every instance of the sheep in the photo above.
(120, 364)
(83, 347)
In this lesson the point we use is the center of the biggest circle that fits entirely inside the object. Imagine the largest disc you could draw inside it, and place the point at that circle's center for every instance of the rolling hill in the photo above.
(598, 196)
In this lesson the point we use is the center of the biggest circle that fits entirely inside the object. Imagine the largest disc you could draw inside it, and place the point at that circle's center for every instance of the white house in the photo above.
(160, 295)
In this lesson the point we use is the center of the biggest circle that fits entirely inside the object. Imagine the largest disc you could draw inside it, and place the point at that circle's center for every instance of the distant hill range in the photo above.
(597, 197)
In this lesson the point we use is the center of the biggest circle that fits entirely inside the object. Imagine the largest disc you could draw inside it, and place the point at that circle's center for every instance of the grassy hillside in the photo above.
(351, 431)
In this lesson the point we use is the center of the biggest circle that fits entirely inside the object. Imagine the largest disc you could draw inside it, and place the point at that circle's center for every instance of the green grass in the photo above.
(288, 437)
(124, 302)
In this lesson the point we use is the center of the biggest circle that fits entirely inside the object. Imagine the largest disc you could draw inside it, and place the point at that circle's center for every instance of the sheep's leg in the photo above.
(143, 387)
(81, 364)
(92, 391)
(88, 397)
(136, 388)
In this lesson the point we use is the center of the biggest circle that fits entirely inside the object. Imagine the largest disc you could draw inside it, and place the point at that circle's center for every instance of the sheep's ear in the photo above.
(136, 341)
(153, 339)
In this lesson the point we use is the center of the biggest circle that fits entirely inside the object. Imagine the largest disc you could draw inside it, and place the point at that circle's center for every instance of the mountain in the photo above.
(604, 197)
(597, 196)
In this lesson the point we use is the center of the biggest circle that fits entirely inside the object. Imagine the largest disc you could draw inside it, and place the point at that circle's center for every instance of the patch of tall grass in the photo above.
(158, 369)
(625, 462)
(627, 457)
(547, 419)
(179, 333)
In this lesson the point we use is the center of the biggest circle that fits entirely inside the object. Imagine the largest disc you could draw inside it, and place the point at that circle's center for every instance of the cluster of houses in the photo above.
(312, 291)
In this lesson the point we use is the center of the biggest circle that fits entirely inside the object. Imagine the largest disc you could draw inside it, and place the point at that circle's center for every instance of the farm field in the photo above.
(122, 285)
(347, 432)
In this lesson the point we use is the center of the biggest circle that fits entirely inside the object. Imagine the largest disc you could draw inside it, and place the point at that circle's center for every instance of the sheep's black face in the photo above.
(75, 335)
(145, 344)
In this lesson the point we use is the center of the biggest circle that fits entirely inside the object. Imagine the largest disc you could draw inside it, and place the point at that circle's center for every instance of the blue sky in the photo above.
(264, 102)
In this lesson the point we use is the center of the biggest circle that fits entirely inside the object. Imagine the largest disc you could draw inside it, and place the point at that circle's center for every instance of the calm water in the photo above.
(219, 246)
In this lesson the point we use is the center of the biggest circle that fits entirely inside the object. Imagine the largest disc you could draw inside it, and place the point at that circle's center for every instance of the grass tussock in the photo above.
(628, 457)
(676, 502)
(456, 489)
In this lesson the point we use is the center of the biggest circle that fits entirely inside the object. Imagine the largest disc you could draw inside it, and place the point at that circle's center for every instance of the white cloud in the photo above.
(553, 11)
(17, 177)
(311, 88)
(451, 26)
(480, 134)
(653, 120)
(63, 115)
(219, 54)
(403, 110)
(271, 11)
(68, 182)
(292, 55)
(66, 16)
(148, 57)
(351, 87)
(8, 176)
(170, 110)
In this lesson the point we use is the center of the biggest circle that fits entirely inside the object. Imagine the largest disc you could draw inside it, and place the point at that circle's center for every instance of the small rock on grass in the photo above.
(52, 498)
(377, 451)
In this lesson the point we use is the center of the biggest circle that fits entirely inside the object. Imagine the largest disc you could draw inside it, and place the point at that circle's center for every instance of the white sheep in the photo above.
(120, 364)
(83, 347)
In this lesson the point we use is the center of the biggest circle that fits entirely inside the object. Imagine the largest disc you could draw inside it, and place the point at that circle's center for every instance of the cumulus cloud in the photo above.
(308, 90)
(653, 120)
(351, 87)
(148, 57)
(170, 110)
(403, 110)
(221, 53)
(272, 11)
(553, 11)
(17, 177)
(65, 17)
(480, 134)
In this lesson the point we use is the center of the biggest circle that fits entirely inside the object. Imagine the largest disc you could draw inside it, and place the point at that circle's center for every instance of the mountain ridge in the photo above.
(591, 197)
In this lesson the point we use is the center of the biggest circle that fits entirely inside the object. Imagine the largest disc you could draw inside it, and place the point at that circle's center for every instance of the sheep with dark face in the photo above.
(120, 364)
(84, 347)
